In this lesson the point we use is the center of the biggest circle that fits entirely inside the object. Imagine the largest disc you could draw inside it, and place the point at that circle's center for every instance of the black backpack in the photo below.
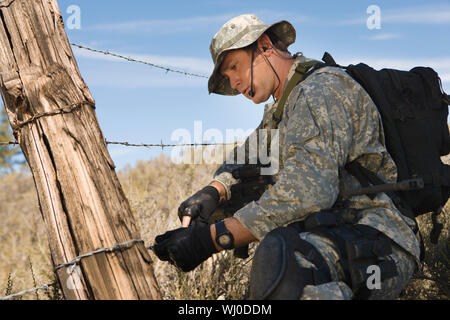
(414, 111)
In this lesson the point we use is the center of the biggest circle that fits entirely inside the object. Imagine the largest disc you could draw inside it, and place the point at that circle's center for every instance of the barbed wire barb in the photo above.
(21, 293)
(147, 145)
(130, 59)
(115, 247)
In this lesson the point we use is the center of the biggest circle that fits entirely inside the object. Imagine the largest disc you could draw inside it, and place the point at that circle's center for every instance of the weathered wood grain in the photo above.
(80, 197)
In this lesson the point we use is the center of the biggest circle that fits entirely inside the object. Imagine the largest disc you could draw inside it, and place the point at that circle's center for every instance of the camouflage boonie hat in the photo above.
(238, 33)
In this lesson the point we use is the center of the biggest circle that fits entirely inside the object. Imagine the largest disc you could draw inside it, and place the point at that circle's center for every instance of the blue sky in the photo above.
(140, 104)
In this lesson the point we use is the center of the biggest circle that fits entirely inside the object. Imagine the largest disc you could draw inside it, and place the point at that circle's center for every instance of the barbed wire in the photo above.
(21, 293)
(8, 143)
(5, 3)
(147, 145)
(126, 244)
(163, 145)
(115, 247)
(68, 109)
(130, 59)
(74, 262)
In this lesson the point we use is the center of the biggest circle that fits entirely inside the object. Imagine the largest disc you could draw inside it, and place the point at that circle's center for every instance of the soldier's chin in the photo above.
(257, 99)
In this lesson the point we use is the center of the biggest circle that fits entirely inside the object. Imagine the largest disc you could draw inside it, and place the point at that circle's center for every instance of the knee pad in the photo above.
(275, 273)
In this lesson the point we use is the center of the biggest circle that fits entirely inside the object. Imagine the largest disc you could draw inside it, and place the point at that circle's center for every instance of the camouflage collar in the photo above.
(295, 75)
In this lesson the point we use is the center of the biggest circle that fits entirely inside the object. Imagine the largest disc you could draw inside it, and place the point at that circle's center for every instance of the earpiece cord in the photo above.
(251, 93)
(276, 74)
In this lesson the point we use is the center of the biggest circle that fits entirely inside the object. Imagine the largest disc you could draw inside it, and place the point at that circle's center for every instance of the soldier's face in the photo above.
(237, 68)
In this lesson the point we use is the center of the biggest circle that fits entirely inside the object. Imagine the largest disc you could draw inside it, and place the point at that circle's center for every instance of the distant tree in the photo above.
(7, 152)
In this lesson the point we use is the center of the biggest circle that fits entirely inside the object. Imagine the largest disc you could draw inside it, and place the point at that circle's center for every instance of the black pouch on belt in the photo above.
(359, 246)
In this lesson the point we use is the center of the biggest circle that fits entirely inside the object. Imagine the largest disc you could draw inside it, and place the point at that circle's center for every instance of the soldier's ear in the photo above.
(266, 50)
(264, 43)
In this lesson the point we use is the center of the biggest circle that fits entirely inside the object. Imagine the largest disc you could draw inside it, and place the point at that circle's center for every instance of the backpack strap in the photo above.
(302, 71)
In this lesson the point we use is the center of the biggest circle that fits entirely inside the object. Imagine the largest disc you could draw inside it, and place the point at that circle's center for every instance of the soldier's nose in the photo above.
(234, 83)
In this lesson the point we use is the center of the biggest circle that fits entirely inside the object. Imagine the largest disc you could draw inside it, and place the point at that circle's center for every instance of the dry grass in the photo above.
(433, 281)
(155, 189)
(23, 239)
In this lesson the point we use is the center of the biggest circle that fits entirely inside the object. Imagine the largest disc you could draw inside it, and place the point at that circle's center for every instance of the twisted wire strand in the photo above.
(21, 293)
(115, 247)
(130, 59)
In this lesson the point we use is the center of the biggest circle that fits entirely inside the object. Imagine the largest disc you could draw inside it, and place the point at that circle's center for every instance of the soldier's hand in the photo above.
(200, 206)
(186, 248)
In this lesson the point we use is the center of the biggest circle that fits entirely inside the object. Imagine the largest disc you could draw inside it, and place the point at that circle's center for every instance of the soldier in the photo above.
(326, 122)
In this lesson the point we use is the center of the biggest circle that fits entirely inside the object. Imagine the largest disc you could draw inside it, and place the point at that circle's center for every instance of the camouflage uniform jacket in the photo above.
(328, 120)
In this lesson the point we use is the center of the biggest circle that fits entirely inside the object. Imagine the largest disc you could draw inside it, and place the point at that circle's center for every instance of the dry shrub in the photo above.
(24, 250)
(432, 281)
(155, 189)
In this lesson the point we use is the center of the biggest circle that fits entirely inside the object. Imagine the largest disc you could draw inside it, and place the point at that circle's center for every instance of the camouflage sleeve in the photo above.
(239, 155)
(235, 158)
(315, 145)
(224, 177)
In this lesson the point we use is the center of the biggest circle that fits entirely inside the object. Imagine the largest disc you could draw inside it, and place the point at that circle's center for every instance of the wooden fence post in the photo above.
(52, 114)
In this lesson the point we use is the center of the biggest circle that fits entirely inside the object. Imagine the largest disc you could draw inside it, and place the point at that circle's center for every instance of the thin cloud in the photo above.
(427, 15)
(180, 62)
(419, 15)
(164, 25)
(106, 77)
(384, 36)
(196, 23)
(270, 17)
(445, 78)
(113, 72)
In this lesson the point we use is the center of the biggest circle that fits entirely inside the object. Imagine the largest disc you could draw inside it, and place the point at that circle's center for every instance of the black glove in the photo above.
(200, 206)
(185, 247)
